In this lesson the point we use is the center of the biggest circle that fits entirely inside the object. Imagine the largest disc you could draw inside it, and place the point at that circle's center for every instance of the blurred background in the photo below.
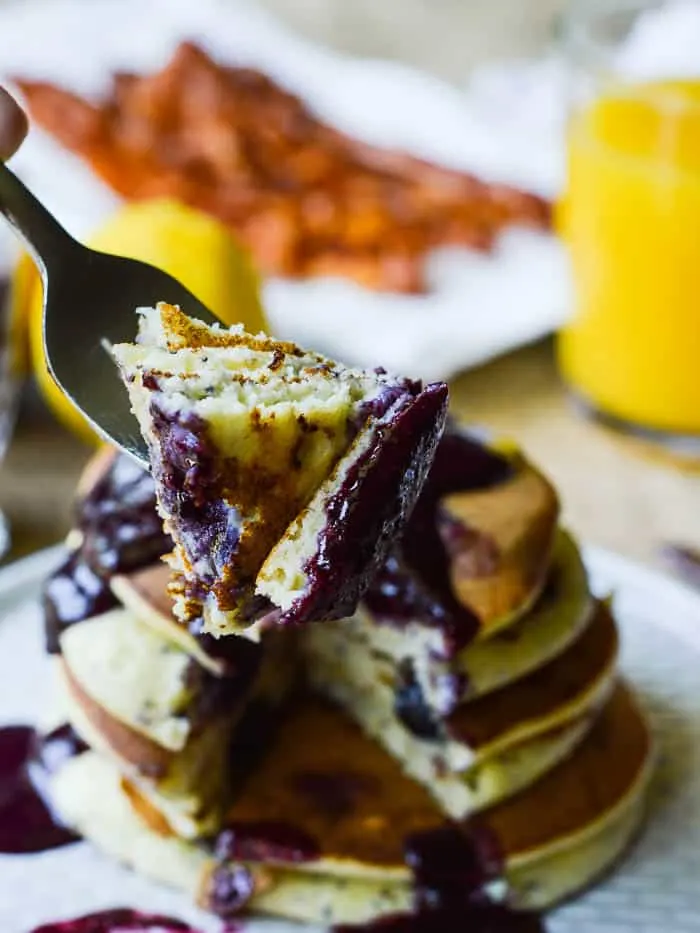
(444, 37)
(454, 261)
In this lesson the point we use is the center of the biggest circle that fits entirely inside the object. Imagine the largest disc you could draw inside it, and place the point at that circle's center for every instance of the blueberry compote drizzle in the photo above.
(187, 472)
(231, 885)
(121, 532)
(27, 822)
(72, 593)
(414, 582)
(410, 706)
(375, 495)
(453, 869)
(119, 920)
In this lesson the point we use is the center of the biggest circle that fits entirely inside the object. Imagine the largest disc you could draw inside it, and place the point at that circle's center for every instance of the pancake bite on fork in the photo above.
(282, 476)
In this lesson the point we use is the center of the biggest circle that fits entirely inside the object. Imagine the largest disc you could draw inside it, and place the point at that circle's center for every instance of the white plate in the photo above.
(656, 888)
(479, 305)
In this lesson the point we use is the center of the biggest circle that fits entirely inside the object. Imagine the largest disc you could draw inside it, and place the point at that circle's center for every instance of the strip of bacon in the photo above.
(306, 199)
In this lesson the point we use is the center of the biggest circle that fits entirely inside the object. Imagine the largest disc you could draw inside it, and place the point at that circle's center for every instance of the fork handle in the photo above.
(42, 234)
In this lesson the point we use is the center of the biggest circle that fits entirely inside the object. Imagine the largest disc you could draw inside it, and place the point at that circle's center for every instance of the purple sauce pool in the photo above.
(121, 920)
(27, 822)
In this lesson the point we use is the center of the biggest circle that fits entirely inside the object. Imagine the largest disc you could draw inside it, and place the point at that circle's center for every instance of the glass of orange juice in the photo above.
(630, 217)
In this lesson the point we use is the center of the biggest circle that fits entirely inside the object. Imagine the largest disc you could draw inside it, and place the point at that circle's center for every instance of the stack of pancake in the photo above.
(476, 687)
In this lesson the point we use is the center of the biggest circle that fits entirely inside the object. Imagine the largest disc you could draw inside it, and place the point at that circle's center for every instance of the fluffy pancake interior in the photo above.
(133, 673)
(552, 624)
(259, 397)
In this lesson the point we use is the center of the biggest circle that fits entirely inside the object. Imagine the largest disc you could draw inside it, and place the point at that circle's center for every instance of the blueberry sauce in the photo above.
(228, 889)
(27, 823)
(72, 593)
(265, 842)
(414, 582)
(410, 707)
(209, 529)
(119, 920)
(477, 918)
(464, 461)
(453, 868)
(121, 532)
(451, 864)
(371, 504)
(119, 521)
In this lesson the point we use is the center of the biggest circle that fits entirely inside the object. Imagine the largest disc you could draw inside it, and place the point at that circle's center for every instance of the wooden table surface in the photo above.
(614, 492)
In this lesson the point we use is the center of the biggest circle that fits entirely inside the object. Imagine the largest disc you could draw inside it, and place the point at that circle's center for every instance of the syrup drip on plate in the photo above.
(455, 869)
(27, 822)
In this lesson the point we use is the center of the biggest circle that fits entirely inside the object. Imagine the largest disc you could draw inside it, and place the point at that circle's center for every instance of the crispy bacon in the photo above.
(307, 199)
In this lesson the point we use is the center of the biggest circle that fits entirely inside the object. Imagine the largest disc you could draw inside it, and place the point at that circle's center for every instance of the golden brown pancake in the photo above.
(537, 699)
(325, 778)
(580, 790)
(551, 753)
(489, 748)
(557, 618)
(177, 730)
(502, 568)
(328, 783)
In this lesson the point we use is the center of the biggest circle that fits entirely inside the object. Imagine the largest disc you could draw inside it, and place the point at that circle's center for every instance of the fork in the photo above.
(89, 298)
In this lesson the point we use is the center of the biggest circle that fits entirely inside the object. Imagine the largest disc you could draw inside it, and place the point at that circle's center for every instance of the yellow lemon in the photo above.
(193, 247)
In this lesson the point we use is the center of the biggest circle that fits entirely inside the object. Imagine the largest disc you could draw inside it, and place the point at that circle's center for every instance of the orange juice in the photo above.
(631, 219)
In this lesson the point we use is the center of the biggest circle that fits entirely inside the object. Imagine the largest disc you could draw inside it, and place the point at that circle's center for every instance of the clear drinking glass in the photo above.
(630, 216)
